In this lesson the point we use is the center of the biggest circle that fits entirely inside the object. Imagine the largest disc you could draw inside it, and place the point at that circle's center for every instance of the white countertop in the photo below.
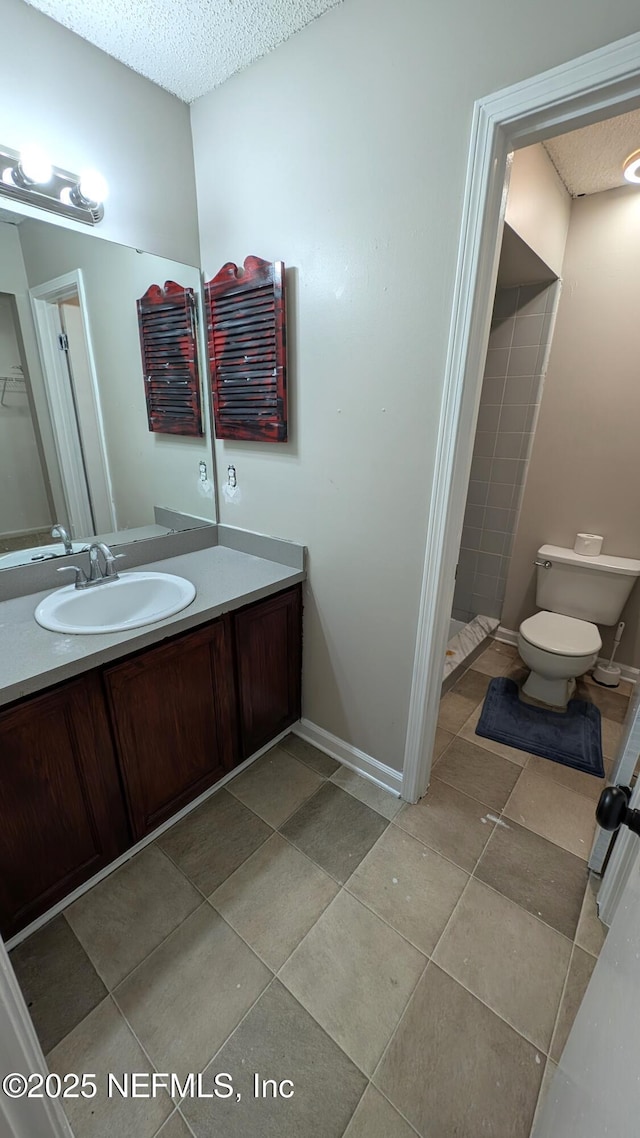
(31, 658)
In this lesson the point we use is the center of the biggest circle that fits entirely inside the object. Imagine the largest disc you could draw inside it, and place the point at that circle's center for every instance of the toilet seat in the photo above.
(561, 635)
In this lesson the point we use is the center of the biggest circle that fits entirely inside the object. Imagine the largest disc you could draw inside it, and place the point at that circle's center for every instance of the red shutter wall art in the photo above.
(167, 319)
(246, 335)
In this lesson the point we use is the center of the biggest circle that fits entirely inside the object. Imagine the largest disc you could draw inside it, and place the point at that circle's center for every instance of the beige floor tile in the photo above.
(410, 886)
(582, 965)
(58, 981)
(586, 784)
(612, 703)
(443, 738)
(468, 732)
(275, 786)
(307, 753)
(591, 932)
(455, 1068)
(494, 661)
(279, 1039)
(274, 898)
(519, 973)
(214, 840)
(477, 772)
(376, 1118)
(611, 736)
(549, 809)
(448, 822)
(126, 916)
(547, 1080)
(335, 830)
(103, 1044)
(354, 975)
(374, 796)
(545, 879)
(176, 1127)
(186, 997)
(456, 706)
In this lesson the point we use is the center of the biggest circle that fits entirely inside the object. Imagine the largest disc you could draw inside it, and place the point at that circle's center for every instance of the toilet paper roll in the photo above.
(588, 544)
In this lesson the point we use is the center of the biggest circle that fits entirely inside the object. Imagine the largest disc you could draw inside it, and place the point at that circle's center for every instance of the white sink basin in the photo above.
(134, 599)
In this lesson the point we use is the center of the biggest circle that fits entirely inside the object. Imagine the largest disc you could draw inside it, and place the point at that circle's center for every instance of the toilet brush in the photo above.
(609, 674)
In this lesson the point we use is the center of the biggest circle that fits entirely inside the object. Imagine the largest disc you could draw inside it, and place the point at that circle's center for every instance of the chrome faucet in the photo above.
(96, 574)
(60, 531)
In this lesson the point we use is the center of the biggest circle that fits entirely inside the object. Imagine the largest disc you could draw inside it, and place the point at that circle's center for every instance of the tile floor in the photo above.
(413, 969)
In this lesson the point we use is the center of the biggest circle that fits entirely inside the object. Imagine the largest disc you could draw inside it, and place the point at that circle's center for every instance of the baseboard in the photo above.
(626, 671)
(358, 761)
(133, 850)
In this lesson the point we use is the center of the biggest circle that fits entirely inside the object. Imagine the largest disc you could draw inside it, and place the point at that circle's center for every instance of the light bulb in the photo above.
(93, 187)
(35, 165)
(631, 168)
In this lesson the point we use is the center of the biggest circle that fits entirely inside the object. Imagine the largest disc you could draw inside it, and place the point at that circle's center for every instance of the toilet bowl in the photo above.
(557, 649)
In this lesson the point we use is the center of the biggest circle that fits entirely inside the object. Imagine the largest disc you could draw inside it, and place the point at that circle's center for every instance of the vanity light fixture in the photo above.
(631, 168)
(28, 177)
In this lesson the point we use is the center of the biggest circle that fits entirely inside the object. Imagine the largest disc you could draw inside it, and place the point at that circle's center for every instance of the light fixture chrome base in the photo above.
(14, 185)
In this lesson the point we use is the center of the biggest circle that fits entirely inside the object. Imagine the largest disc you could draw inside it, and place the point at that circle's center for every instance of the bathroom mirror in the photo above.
(75, 443)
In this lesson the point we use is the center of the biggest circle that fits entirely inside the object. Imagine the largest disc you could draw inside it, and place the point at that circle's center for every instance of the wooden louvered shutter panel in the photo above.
(246, 333)
(169, 345)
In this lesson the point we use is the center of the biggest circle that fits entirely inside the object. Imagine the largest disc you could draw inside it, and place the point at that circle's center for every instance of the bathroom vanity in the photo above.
(111, 735)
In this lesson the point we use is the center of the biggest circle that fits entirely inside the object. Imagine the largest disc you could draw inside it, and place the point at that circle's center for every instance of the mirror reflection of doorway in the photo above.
(72, 393)
(26, 506)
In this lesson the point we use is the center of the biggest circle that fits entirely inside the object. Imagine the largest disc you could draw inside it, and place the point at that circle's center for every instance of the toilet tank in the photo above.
(589, 588)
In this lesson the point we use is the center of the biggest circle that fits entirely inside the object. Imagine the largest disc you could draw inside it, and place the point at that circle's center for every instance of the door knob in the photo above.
(613, 809)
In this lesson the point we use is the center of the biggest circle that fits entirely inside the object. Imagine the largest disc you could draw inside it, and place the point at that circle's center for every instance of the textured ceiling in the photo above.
(590, 160)
(187, 47)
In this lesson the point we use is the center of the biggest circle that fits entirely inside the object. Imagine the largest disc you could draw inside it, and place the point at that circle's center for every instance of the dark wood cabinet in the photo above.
(62, 814)
(268, 641)
(172, 710)
(90, 767)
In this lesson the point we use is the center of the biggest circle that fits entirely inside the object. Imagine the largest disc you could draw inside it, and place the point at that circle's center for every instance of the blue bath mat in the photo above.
(571, 737)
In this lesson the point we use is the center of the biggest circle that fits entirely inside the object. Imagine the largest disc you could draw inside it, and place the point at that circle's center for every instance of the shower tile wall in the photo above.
(521, 330)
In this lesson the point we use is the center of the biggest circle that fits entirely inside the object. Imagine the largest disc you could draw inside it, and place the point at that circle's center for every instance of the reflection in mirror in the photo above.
(75, 446)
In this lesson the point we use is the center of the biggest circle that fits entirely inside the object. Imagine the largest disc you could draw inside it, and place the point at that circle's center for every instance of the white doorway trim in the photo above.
(44, 302)
(21, 1052)
(596, 86)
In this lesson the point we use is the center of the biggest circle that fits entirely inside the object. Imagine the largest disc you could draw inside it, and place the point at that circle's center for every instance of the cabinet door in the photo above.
(61, 808)
(269, 653)
(172, 713)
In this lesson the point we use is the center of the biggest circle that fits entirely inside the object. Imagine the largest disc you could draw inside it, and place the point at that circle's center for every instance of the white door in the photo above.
(596, 1089)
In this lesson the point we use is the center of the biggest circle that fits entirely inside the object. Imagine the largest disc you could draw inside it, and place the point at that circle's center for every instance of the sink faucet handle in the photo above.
(81, 577)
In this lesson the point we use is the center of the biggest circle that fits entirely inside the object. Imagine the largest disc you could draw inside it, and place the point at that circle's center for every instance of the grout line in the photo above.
(564, 989)
(393, 1105)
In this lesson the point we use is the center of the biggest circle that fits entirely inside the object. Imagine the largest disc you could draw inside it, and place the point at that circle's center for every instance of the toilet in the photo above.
(575, 594)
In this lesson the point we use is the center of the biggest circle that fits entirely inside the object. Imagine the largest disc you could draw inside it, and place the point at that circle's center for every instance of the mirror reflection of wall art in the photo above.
(246, 335)
(169, 345)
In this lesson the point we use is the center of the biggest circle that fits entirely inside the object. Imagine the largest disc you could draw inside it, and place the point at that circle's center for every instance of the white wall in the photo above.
(343, 152)
(539, 205)
(24, 505)
(87, 110)
(147, 469)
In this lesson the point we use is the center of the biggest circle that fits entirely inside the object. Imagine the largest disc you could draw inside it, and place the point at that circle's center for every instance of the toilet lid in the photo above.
(563, 635)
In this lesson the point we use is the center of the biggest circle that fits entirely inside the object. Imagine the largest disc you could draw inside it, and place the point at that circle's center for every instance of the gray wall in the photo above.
(585, 465)
(521, 331)
(344, 153)
(86, 109)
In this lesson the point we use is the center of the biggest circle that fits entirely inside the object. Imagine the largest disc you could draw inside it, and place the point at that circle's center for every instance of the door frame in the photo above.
(44, 303)
(604, 83)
